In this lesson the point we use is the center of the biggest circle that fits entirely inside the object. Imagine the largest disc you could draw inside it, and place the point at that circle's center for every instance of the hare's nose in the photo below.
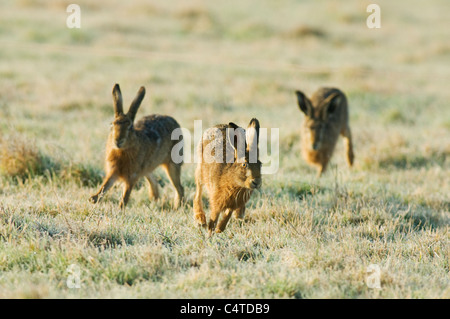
(256, 183)
(119, 143)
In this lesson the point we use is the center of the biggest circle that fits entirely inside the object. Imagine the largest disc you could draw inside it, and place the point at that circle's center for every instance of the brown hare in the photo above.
(230, 178)
(135, 150)
(326, 116)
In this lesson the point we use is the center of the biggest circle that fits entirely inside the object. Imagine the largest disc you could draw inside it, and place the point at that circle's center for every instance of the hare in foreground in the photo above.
(230, 172)
(326, 116)
(135, 150)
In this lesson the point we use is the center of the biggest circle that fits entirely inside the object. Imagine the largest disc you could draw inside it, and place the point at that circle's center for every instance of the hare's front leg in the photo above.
(127, 188)
(213, 218)
(108, 182)
(348, 145)
(224, 221)
(239, 213)
(322, 167)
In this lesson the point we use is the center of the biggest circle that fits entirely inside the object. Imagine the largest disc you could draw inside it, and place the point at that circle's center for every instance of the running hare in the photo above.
(230, 169)
(134, 151)
(326, 117)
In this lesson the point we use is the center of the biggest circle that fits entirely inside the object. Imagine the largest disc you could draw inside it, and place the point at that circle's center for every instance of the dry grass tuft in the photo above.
(20, 157)
(84, 174)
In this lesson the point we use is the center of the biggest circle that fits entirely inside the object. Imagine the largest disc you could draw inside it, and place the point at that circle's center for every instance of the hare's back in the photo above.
(217, 136)
(215, 140)
(161, 125)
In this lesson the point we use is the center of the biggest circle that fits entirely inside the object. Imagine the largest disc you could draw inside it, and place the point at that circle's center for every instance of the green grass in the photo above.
(303, 236)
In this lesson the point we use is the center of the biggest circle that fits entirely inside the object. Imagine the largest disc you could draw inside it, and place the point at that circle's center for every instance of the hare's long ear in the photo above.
(252, 139)
(117, 99)
(331, 103)
(233, 125)
(304, 103)
(236, 137)
(136, 103)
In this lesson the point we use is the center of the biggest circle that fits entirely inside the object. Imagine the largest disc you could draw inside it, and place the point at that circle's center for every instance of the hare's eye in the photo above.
(244, 165)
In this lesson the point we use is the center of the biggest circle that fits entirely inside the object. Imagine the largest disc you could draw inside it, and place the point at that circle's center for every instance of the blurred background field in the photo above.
(227, 61)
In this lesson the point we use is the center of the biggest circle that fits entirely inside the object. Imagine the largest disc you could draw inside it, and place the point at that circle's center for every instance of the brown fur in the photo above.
(229, 185)
(134, 151)
(326, 116)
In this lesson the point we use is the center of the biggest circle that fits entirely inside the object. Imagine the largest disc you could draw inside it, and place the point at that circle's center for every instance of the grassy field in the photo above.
(221, 61)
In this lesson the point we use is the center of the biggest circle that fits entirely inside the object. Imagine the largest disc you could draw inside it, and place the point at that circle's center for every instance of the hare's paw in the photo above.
(178, 202)
(94, 199)
(200, 218)
(350, 158)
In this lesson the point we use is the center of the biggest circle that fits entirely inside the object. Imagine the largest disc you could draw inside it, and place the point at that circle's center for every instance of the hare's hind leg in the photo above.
(108, 182)
(173, 172)
(347, 134)
(153, 191)
(199, 213)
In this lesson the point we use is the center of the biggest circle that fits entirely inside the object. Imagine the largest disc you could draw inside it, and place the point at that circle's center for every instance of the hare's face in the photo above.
(120, 130)
(248, 175)
(314, 131)
(320, 116)
(246, 170)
